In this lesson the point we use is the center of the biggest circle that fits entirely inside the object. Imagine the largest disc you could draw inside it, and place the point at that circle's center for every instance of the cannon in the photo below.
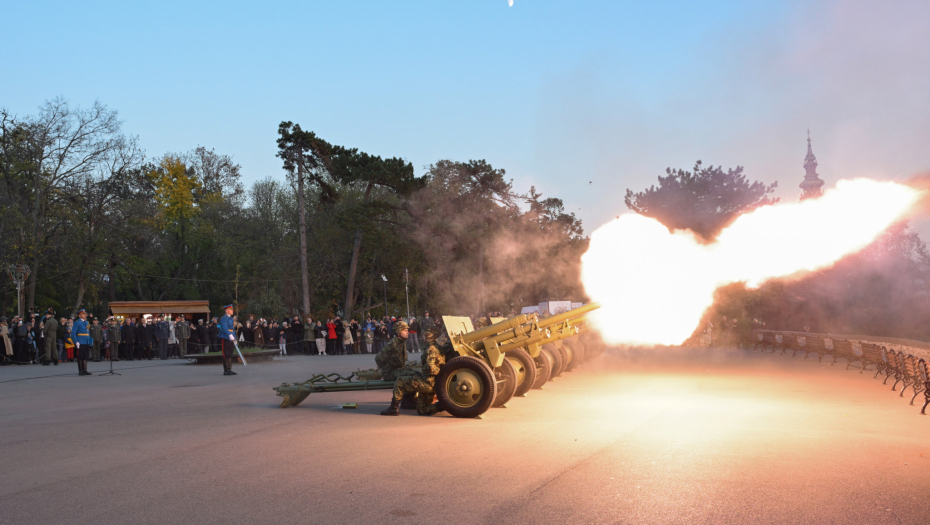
(484, 368)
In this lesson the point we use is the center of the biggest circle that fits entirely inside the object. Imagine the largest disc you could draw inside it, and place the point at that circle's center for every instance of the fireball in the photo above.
(654, 285)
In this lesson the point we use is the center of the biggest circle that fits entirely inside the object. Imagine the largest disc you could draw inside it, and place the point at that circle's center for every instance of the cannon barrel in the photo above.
(568, 315)
(495, 328)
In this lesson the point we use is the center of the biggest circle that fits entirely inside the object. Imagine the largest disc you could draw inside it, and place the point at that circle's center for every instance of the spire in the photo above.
(811, 186)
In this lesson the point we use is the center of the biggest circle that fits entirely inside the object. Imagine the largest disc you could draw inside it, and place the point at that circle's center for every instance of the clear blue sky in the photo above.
(581, 98)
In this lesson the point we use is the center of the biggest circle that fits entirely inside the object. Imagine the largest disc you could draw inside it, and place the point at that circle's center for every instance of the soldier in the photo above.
(161, 332)
(114, 336)
(391, 360)
(83, 342)
(393, 357)
(421, 383)
(227, 334)
(51, 338)
(128, 337)
(182, 330)
(96, 331)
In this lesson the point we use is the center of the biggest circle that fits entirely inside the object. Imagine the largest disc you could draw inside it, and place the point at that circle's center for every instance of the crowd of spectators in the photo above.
(166, 336)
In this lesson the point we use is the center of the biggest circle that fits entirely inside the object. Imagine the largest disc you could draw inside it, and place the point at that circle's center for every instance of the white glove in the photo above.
(77, 345)
(231, 338)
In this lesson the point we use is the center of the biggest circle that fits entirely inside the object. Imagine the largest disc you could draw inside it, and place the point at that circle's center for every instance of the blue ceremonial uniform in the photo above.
(80, 333)
(227, 327)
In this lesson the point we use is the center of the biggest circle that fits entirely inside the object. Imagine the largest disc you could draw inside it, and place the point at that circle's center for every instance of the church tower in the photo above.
(811, 186)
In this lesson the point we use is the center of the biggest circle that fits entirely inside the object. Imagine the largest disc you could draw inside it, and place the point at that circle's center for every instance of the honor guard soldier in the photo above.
(114, 335)
(80, 335)
(96, 332)
(182, 330)
(228, 336)
(51, 338)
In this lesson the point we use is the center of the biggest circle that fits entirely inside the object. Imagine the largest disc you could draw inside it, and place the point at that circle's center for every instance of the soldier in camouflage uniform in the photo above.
(393, 357)
(421, 383)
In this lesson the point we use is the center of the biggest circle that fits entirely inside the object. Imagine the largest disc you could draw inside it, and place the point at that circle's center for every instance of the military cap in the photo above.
(400, 326)
(81, 311)
(227, 306)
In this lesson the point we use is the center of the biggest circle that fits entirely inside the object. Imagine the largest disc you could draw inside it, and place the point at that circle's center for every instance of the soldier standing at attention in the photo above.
(182, 330)
(51, 338)
(96, 331)
(227, 334)
(421, 383)
(114, 336)
(162, 332)
(80, 335)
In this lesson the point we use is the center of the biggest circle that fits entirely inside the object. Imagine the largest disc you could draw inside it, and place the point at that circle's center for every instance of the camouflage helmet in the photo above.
(400, 326)
(432, 333)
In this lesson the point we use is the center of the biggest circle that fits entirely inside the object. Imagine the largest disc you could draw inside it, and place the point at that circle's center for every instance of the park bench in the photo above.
(813, 344)
(768, 339)
(756, 339)
(893, 368)
(830, 347)
(787, 342)
(877, 356)
(910, 375)
(925, 378)
(843, 348)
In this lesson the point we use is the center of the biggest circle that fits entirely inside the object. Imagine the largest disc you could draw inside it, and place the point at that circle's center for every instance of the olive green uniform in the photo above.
(182, 330)
(96, 331)
(423, 383)
(114, 337)
(51, 339)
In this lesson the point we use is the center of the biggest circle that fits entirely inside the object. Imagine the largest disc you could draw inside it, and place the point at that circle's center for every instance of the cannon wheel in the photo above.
(525, 367)
(466, 386)
(556, 361)
(543, 369)
(577, 355)
(506, 377)
(567, 355)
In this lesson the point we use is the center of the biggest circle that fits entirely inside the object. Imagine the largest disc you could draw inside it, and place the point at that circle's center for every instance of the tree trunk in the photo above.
(111, 281)
(30, 304)
(353, 266)
(304, 277)
(80, 294)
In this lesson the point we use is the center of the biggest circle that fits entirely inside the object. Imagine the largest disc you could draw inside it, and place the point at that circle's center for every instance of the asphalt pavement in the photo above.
(668, 435)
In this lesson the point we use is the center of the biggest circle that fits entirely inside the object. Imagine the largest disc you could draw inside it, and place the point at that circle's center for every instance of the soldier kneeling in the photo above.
(423, 382)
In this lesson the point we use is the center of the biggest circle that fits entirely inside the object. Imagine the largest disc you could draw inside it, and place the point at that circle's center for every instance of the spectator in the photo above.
(330, 337)
(7, 345)
(319, 334)
(369, 338)
(282, 338)
(413, 343)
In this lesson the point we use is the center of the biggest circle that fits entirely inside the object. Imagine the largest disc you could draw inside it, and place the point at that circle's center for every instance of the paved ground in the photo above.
(651, 436)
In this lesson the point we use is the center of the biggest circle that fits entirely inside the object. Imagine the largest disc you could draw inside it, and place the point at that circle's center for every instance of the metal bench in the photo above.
(787, 342)
(910, 376)
(893, 367)
(768, 339)
(757, 339)
(811, 344)
(868, 354)
(925, 378)
(843, 350)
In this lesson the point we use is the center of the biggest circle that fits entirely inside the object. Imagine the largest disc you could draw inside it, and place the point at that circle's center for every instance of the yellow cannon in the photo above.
(508, 358)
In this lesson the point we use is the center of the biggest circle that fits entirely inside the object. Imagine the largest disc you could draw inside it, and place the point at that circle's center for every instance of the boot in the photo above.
(85, 368)
(230, 368)
(393, 410)
(409, 401)
(80, 367)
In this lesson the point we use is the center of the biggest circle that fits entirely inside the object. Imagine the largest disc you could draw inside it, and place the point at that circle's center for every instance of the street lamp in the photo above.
(383, 278)
(19, 273)
(407, 290)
